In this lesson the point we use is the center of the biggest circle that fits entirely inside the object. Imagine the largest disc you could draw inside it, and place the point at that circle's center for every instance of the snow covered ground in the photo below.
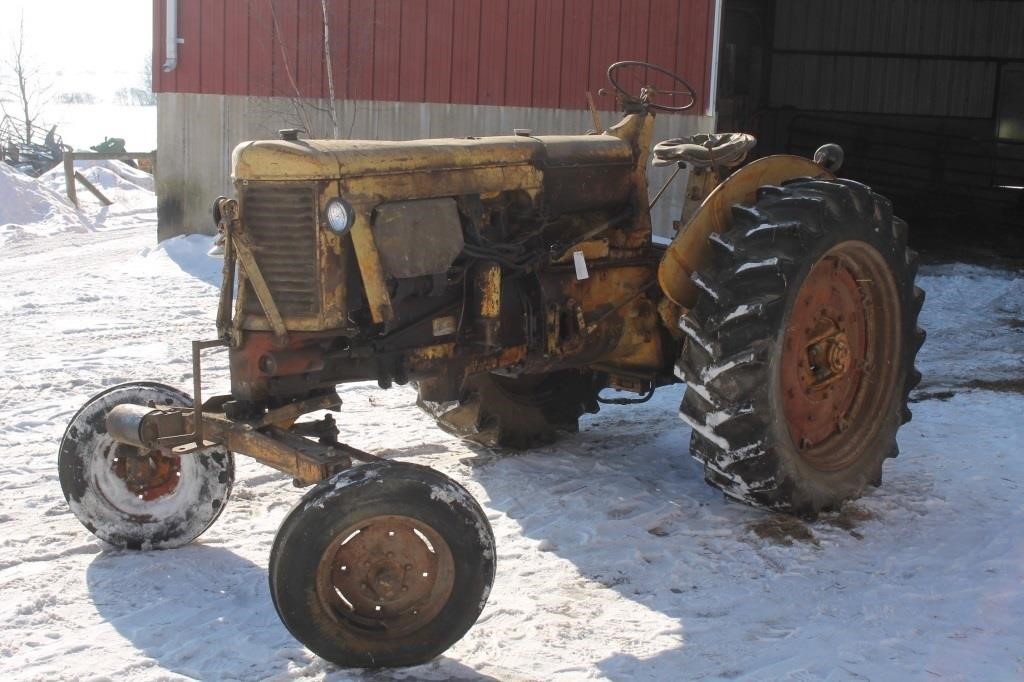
(615, 560)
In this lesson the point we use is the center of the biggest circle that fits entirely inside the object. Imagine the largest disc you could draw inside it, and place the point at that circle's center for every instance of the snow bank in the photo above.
(106, 175)
(191, 253)
(26, 201)
(38, 207)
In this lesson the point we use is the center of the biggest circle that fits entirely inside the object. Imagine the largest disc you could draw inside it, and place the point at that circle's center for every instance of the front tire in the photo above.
(133, 499)
(385, 564)
(800, 350)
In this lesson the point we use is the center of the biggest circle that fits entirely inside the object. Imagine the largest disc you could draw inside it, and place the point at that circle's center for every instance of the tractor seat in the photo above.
(705, 151)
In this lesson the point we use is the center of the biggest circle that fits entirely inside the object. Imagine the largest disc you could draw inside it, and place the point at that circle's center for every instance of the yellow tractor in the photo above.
(511, 280)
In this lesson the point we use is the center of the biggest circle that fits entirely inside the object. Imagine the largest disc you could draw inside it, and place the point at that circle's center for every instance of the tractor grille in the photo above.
(281, 222)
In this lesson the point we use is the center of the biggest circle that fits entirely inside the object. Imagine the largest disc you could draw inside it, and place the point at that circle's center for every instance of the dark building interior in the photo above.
(925, 97)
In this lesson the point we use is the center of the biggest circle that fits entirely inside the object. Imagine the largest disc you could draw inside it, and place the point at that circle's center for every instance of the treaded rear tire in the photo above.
(733, 359)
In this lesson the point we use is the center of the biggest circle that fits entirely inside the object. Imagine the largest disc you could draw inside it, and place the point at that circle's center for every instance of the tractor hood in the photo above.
(280, 160)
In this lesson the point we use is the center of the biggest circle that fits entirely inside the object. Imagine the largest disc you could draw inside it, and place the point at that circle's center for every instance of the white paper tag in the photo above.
(581, 265)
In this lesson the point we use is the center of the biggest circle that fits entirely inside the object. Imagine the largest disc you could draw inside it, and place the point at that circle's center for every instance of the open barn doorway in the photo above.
(927, 99)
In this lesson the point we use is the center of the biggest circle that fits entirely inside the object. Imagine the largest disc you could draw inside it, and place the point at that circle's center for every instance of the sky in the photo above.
(81, 46)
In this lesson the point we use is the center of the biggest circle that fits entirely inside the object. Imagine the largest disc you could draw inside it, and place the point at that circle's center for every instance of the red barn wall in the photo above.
(528, 53)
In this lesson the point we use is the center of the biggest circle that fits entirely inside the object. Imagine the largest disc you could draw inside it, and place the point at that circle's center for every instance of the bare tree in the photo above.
(328, 62)
(309, 110)
(27, 90)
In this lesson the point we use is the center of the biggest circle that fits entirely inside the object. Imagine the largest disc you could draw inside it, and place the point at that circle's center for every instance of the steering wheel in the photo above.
(662, 84)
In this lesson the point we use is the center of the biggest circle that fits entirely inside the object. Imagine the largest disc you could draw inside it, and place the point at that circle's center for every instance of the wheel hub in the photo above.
(839, 355)
(840, 321)
(148, 476)
(828, 356)
(388, 573)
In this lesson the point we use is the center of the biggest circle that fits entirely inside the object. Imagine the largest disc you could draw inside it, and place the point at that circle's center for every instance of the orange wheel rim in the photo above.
(149, 477)
(388, 574)
(839, 349)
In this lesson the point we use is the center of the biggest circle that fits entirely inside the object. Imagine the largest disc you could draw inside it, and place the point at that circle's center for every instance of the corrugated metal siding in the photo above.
(884, 85)
(907, 57)
(537, 53)
(952, 28)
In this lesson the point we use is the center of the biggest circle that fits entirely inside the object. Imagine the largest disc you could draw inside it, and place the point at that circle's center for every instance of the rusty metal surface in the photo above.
(823, 355)
(147, 474)
(228, 209)
(417, 238)
(586, 172)
(281, 227)
(286, 362)
(391, 572)
(320, 159)
(539, 309)
(316, 159)
(370, 267)
(255, 279)
(841, 334)
(689, 250)
(285, 415)
(638, 131)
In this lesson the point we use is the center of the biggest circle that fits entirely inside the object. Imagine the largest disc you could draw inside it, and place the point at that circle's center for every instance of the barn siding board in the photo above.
(361, 48)
(189, 25)
(261, 49)
(604, 49)
(539, 53)
(519, 66)
(634, 22)
(236, 47)
(575, 58)
(493, 51)
(413, 57)
(387, 41)
(465, 67)
(547, 53)
(338, 21)
(694, 51)
(440, 21)
(309, 70)
(285, 46)
(211, 50)
(663, 32)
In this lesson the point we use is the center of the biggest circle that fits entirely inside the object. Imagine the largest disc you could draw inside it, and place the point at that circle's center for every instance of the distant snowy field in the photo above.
(85, 125)
(615, 560)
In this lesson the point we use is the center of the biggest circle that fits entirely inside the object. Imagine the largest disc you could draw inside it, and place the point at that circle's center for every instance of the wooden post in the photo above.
(69, 177)
(70, 174)
(92, 188)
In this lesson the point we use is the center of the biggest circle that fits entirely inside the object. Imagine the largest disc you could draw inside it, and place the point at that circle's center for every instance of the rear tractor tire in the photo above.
(133, 499)
(386, 564)
(800, 351)
(520, 412)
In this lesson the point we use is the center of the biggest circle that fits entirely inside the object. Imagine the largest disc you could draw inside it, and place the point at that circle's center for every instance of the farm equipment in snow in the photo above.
(511, 279)
(32, 157)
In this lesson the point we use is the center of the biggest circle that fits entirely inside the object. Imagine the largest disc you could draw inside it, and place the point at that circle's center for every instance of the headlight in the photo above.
(339, 216)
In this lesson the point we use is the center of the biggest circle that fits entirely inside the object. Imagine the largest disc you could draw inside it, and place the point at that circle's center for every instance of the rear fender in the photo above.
(690, 251)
